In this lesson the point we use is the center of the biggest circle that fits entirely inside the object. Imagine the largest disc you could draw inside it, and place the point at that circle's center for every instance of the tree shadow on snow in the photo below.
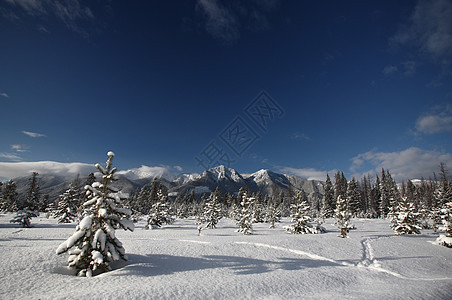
(160, 264)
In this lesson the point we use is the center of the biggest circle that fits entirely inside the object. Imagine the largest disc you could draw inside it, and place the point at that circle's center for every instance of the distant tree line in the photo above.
(366, 198)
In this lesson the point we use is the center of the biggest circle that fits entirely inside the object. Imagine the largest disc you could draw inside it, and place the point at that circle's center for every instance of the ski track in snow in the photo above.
(368, 260)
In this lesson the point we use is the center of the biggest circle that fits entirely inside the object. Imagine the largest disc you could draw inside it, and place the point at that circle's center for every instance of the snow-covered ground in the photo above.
(175, 263)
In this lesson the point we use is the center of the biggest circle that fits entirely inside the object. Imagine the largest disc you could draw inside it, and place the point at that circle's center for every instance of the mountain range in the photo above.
(227, 179)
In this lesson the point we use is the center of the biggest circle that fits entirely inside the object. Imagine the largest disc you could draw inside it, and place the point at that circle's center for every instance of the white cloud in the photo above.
(33, 134)
(20, 169)
(10, 156)
(308, 173)
(439, 119)
(407, 164)
(390, 69)
(10, 170)
(150, 172)
(429, 30)
(20, 148)
(4, 95)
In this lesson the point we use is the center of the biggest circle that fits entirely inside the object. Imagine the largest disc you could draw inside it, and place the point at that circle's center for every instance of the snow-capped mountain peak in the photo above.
(223, 173)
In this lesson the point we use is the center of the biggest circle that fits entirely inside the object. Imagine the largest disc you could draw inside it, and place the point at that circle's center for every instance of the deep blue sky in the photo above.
(363, 84)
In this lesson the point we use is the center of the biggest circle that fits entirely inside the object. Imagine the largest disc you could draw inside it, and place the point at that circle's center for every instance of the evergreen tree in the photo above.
(384, 195)
(240, 194)
(376, 197)
(229, 203)
(159, 213)
(24, 217)
(340, 185)
(443, 191)
(342, 216)
(33, 193)
(407, 221)
(365, 197)
(258, 209)
(410, 193)
(154, 192)
(66, 211)
(300, 218)
(272, 213)
(94, 240)
(353, 198)
(388, 193)
(328, 199)
(143, 203)
(446, 226)
(9, 197)
(90, 179)
(212, 211)
(43, 204)
(245, 217)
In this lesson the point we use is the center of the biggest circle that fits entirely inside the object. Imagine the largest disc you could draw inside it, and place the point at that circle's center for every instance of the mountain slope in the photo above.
(227, 179)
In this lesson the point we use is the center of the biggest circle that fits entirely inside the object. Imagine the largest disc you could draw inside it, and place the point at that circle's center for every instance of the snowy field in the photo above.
(175, 263)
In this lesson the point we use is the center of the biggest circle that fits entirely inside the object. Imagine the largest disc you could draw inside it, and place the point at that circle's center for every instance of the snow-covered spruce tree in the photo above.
(354, 198)
(212, 211)
(245, 216)
(94, 243)
(299, 213)
(407, 221)
(446, 218)
(9, 197)
(388, 193)
(24, 216)
(158, 215)
(328, 199)
(442, 195)
(258, 209)
(66, 211)
(342, 216)
(33, 193)
(272, 213)
(393, 213)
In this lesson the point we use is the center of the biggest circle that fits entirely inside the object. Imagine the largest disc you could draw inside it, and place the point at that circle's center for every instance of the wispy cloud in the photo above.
(390, 69)
(33, 134)
(410, 68)
(4, 95)
(439, 119)
(308, 173)
(19, 169)
(70, 12)
(43, 29)
(221, 23)
(299, 136)
(406, 164)
(20, 148)
(224, 20)
(10, 156)
(429, 30)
